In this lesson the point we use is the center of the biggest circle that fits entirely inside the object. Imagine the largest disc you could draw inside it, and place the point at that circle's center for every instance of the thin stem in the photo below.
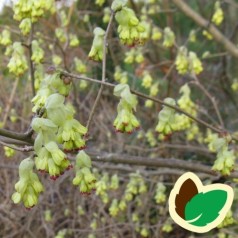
(211, 98)
(9, 103)
(22, 149)
(103, 71)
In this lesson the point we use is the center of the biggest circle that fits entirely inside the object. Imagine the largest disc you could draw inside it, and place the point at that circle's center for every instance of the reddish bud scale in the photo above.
(67, 80)
(81, 148)
(92, 59)
(85, 193)
(86, 135)
(223, 133)
(41, 171)
(69, 167)
(51, 70)
(167, 137)
(120, 131)
(29, 208)
(54, 177)
(131, 46)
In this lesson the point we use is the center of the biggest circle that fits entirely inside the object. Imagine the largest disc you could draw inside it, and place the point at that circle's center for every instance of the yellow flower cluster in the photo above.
(185, 103)
(218, 15)
(31, 9)
(169, 37)
(134, 56)
(130, 29)
(18, 63)
(225, 160)
(120, 76)
(147, 80)
(188, 62)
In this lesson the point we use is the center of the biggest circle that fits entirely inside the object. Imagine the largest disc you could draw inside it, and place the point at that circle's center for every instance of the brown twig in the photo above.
(211, 98)
(22, 149)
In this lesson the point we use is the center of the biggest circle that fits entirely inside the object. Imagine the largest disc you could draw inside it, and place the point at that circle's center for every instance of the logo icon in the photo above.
(196, 207)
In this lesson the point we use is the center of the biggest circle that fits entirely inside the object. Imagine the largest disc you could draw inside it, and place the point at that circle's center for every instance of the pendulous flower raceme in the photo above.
(71, 134)
(52, 83)
(187, 62)
(18, 63)
(169, 37)
(218, 15)
(125, 120)
(25, 26)
(167, 121)
(130, 29)
(84, 177)
(5, 38)
(160, 196)
(31, 9)
(135, 186)
(56, 125)
(96, 52)
(52, 160)
(185, 103)
(29, 186)
(38, 53)
(225, 160)
(102, 187)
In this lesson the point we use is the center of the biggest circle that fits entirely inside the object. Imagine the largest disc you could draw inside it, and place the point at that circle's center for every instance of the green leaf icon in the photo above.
(204, 208)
